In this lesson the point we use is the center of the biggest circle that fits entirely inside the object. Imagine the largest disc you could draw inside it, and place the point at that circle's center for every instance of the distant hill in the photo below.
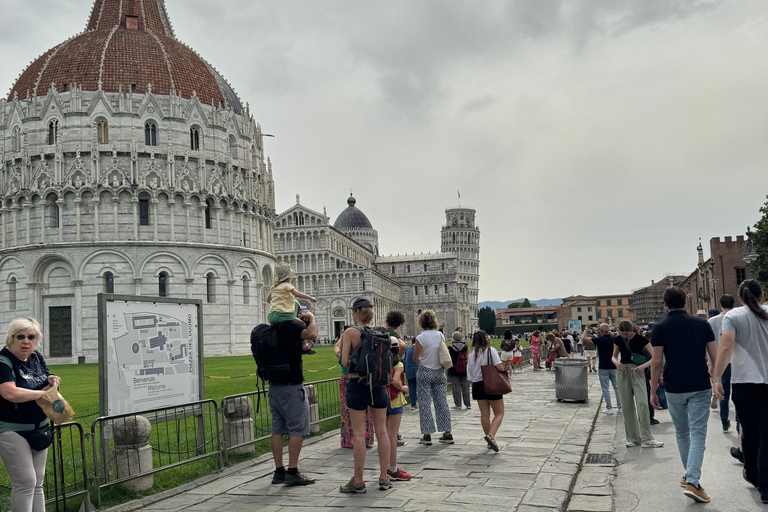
(503, 304)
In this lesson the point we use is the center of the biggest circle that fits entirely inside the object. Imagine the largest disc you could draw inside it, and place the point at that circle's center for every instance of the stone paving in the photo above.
(542, 443)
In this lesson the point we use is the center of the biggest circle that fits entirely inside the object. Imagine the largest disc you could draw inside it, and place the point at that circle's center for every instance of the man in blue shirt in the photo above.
(685, 340)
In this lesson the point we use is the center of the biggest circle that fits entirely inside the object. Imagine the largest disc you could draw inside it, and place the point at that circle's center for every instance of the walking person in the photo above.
(25, 431)
(628, 349)
(507, 347)
(744, 344)
(411, 370)
(606, 370)
(432, 382)
(716, 321)
(684, 341)
(457, 374)
(590, 350)
(359, 398)
(483, 354)
(535, 347)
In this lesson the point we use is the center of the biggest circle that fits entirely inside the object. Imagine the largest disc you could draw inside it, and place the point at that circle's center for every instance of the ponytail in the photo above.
(751, 295)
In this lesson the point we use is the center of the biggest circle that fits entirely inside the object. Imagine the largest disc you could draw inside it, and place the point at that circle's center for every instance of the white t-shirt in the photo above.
(716, 322)
(430, 346)
(474, 373)
(749, 362)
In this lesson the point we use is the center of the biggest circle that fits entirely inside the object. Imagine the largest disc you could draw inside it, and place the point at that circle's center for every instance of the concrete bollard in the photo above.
(314, 409)
(239, 424)
(133, 455)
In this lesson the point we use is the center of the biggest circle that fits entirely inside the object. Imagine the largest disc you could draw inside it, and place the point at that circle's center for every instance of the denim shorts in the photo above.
(360, 396)
(392, 411)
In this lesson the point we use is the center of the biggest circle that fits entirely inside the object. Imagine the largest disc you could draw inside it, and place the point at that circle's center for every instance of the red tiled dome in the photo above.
(128, 43)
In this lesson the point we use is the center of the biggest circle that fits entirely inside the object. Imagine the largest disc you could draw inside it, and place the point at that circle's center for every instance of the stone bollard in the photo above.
(239, 424)
(314, 409)
(133, 455)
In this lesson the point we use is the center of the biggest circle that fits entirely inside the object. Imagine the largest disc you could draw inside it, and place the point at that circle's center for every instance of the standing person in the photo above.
(507, 347)
(288, 402)
(569, 345)
(396, 391)
(483, 354)
(590, 350)
(535, 345)
(432, 382)
(684, 341)
(346, 431)
(460, 332)
(631, 383)
(726, 302)
(744, 344)
(606, 370)
(411, 370)
(647, 374)
(458, 372)
(359, 398)
(517, 358)
(23, 375)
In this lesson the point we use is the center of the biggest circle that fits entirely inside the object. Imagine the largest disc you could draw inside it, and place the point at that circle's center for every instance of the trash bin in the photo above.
(571, 379)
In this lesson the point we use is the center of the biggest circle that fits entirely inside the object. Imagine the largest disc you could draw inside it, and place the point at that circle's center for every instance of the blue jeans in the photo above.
(413, 392)
(606, 376)
(690, 412)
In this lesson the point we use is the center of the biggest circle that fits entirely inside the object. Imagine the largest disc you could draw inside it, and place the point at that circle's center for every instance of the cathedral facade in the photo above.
(337, 263)
(129, 165)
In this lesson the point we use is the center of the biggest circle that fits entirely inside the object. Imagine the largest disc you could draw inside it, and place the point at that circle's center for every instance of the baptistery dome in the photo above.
(128, 165)
(355, 224)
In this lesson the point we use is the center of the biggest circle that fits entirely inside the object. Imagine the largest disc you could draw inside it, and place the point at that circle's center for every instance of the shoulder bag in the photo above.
(445, 356)
(636, 358)
(494, 381)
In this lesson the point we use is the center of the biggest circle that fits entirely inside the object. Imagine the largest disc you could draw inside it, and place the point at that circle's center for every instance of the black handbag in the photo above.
(38, 438)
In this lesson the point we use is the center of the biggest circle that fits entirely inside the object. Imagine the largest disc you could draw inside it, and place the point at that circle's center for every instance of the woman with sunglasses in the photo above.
(24, 429)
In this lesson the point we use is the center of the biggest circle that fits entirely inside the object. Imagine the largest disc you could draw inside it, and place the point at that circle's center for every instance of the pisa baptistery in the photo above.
(129, 165)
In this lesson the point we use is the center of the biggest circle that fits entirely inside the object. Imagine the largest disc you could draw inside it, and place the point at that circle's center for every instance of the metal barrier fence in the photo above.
(129, 448)
(67, 473)
(246, 418)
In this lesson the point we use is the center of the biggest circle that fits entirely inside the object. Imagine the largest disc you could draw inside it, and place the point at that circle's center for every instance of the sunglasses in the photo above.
(30, 337)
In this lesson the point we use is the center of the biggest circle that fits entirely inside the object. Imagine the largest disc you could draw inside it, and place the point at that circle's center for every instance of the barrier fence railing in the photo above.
(67, 473)
(246, 417)
(129, 448)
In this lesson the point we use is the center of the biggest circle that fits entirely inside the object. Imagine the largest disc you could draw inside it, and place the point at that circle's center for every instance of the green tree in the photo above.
(517, 320)
(515, 305)
(758, 239)
(486, 319)
(534, 319)
(526, 303)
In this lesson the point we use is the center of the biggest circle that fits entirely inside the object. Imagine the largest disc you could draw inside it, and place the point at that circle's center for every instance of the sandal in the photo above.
(491, 443)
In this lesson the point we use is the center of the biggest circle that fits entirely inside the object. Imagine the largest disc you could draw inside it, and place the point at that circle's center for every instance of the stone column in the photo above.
(133, 455)
(314, 409)
(61, 203)
(232, 334)
(3, 217)
(15, 210)
(77, 317)
(43, 205)
(230, 215)
(186, 212)
(137, 285)
(116, 204)
(27, 208)
(135, 202)
(78, 204)
(238, 424)
(96, 204)
(171, 203)
(218, 223)
(202, 208)
(155, 218)
(33, 299)
(189, 281)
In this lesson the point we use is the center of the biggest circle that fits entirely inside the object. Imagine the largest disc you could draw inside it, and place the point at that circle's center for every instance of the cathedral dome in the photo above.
(128, 46)
(352, 218)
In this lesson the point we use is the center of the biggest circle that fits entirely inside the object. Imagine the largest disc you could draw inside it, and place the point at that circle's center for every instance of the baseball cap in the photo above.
(361, 303)
(714, 312)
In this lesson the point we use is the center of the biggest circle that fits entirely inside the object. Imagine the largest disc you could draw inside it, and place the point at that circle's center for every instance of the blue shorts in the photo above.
(360, 396)
(396, 410)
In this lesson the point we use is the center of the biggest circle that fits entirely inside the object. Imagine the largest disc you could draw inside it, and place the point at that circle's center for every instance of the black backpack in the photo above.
(372, 359)
(270, 363)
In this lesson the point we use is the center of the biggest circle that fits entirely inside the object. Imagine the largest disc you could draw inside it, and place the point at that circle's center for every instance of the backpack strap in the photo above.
(4, 360)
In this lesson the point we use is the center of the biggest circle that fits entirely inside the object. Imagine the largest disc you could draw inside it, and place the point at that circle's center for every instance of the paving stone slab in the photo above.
(584, 503)
(590, 481)
(554, 481)
(554, 498)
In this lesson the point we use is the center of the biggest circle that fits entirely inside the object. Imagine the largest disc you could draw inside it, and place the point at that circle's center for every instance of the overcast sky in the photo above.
(598, 140)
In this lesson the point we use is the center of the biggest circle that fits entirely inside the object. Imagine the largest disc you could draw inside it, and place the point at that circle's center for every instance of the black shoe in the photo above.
(764, 498)
(426, 439)
(278, 478)
(446, 439)
(654, 421)
(297, 479)
(309, 352)
(737, 454)
(727, 426)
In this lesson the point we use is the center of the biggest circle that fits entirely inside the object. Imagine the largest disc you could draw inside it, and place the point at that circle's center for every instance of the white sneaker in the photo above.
(630, 444)
(652, 444)
(609, 411)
